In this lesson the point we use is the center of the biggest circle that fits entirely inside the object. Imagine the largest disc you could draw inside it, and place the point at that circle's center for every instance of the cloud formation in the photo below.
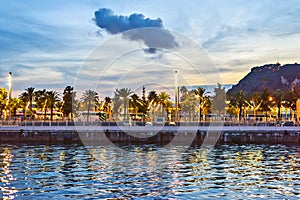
(136, 27)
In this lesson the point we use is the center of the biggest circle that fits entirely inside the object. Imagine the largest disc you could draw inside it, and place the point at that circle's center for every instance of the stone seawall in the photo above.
(150, 135)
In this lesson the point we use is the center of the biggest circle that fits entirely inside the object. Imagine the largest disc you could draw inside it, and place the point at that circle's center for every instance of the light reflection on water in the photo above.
(68, 172)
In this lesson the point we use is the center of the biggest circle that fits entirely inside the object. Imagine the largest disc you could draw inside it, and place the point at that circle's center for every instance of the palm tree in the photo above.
(238, 100)
(52, 99)
(152, 100)
(254, 102)
(266, 102)
(123, 95)
(90, 97)
(278, 95)
(202, 98)
(41, 101)
(188, 104)
(107, 107)
(30, 93)
(3, 100)
(164, 101)
(290, 99)
(68, 101)
(14, 104)
(24, 102)
(135, 103)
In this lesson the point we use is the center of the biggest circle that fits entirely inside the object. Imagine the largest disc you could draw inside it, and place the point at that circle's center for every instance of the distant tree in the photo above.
(290, 99)
(203, 99)
(238, 100)
(90, 97)
(52, 98)
(69, 102)
(152, 100)
(107, 107)
(14, 105)
(3, 100)
(164, 101)
(254, 102)
(278, 98)
(266, 101)
(135, 103)
(219, 99)
(188, 104)
(41, 101)
(30, 95)
(123, 95)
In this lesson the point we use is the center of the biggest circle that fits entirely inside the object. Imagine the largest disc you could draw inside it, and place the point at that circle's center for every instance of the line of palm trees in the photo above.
(266, 102)
(125, 103)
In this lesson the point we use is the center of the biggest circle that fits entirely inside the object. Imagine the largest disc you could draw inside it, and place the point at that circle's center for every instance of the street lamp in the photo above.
(9, 85)
(176, 94)
(9, 78)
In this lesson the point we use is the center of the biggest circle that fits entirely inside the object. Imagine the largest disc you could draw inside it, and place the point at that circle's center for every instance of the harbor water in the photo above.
(254, 171)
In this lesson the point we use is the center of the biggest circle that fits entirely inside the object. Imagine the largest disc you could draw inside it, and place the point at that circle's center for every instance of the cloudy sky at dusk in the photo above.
(52, 44)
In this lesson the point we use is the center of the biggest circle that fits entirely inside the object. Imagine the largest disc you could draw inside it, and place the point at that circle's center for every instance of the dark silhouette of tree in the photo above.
(203, 99)
(135, 103)
(290, 99)
(52, 98)
(41, 101)
(238, 100)
(30, 96)
(152, 100)
(69, 102)
(278, 98)
(266, 102)
(107, 107)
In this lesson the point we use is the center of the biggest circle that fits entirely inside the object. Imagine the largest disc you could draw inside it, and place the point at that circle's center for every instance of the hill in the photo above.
(271, 76)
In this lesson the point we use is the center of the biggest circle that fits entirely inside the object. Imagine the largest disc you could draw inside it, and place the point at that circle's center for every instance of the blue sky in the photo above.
(47, 44)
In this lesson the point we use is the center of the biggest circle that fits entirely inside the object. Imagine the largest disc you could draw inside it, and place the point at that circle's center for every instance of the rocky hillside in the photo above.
(271, 76)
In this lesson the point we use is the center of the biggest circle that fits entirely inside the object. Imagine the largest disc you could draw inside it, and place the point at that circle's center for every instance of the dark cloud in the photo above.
(137, 28)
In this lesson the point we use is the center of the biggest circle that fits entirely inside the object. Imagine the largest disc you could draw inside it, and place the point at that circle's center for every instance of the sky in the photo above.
(52, 44)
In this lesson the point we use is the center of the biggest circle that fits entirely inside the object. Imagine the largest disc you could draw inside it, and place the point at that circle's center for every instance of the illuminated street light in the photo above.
(9, 85)
(176, 95)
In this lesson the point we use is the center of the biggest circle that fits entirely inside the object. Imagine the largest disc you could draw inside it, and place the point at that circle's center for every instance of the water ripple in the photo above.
(226, 172)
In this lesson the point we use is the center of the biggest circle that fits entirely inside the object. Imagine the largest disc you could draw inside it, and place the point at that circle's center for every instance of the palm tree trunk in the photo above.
(45, 113)
(88, 113)
(279, 113)
(51, 113)
(125, 113)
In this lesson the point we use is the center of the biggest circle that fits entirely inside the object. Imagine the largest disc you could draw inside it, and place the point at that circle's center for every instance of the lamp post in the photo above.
(9, 85)
(176, 94)
(9, 78)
